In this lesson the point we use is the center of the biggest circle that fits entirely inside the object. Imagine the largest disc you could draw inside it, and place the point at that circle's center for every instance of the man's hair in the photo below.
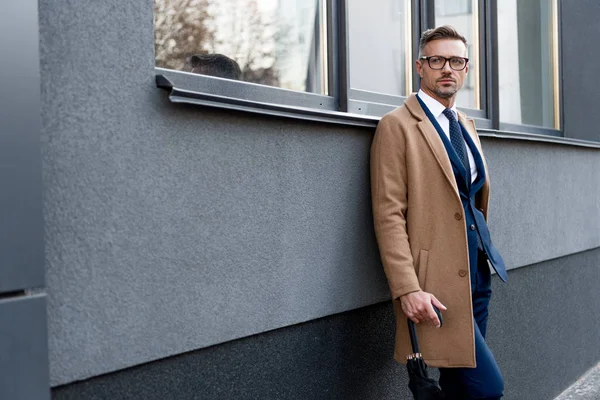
(439, 33)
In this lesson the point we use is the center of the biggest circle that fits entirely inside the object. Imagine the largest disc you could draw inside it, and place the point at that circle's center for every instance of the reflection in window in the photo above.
(527, 66)
(463, 15)
(380, 46)
(271, 42)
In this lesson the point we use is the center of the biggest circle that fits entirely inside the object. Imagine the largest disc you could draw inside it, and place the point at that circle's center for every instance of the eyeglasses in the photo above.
(439, 62)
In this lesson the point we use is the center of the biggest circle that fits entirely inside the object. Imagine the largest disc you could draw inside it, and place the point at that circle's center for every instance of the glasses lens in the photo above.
(457, 63)
(436, 62)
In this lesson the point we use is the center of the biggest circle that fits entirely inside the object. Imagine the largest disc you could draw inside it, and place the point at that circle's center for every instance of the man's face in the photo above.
(444, 83)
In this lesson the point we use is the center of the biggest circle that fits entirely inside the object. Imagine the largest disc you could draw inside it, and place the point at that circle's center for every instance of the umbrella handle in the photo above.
(413, 332)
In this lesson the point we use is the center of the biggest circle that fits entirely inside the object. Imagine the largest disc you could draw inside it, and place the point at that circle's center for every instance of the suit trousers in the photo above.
(485, 381)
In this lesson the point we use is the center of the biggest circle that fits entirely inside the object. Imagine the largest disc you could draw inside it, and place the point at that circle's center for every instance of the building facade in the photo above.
(169, 234)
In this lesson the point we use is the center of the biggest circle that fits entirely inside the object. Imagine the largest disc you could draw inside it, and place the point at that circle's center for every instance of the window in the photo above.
(380, 58)
(268, 42)
(352, 61)
(448, 8)
(528, 63)
(464, 16)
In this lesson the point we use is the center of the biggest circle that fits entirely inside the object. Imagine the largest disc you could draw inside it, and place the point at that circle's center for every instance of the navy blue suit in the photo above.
(485, 381)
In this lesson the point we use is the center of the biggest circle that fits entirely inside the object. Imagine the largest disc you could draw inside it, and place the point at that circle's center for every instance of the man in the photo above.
(430, 200)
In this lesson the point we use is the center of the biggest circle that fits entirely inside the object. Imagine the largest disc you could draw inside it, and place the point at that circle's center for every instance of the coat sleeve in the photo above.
(389, 197)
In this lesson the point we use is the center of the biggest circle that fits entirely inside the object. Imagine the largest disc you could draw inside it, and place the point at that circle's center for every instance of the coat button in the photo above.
(472, 227)
(462, 273)
(458, 216)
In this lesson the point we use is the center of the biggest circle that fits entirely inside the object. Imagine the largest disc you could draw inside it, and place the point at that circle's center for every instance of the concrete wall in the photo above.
(541, 349)
(172, 228)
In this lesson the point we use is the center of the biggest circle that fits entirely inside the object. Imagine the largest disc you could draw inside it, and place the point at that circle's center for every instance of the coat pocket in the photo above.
(423, 261)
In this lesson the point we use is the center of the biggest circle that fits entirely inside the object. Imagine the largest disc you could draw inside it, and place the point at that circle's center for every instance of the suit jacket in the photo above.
(419, 222)
(475, 221)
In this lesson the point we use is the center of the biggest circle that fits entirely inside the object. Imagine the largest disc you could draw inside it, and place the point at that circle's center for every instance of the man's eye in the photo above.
(435, 60)
(457, 61)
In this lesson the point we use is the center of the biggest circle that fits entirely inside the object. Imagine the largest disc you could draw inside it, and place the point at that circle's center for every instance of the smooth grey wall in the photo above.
(580, 59)
(171, 228)
(23, 335)
(21, 221)
(23, 348)
(544, 331)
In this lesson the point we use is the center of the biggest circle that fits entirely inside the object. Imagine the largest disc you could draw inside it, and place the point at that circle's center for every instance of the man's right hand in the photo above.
(418, 307)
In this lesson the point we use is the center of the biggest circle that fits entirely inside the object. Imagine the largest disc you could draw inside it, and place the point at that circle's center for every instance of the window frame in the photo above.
(361, 101)
(232, 91)
(497, 124)
(427, 21)
(348, 106)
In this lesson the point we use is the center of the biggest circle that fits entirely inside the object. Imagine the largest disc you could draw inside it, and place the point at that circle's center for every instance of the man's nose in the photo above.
(446, 67)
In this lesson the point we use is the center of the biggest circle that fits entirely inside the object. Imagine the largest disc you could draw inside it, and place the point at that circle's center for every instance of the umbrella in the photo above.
(420, 384)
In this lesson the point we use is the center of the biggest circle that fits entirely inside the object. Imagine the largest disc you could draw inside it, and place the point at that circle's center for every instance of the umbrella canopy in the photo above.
(420, 384)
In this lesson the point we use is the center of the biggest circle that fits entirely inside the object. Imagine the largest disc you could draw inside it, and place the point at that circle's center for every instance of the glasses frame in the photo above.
(446, 60)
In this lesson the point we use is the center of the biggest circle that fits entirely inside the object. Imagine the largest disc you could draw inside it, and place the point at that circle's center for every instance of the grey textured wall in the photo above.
(580, 27)
(540, 349)
(171, 228)
(545, 199)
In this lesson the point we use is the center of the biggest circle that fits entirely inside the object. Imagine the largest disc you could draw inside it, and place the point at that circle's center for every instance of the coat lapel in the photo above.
(469, 126)
(433, 140)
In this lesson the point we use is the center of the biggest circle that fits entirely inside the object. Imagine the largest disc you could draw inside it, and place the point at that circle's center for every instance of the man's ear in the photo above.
(419, 67)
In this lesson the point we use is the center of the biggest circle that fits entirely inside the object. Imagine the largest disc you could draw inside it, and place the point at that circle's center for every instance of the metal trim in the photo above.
(408, 63)
(343, 61)
(245, 90)
(376, 97)
(540, 130)
(417, 28)
(332, 51)
(483, 62)
(477, 55)
(556, 64)
(324, 45)
(492, 63)
(560, 67)
(178, 95)
(533, 137)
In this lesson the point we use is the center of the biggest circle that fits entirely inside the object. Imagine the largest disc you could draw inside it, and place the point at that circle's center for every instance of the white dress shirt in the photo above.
(437, 109)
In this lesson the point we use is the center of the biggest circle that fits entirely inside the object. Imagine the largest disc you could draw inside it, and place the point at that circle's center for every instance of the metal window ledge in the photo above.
(534, 137)
(180, 95)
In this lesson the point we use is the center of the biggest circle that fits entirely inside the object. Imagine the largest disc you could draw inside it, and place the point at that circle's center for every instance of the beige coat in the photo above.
(420, 228)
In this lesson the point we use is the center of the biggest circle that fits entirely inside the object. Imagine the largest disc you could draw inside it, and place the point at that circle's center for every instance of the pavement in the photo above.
(586, 388)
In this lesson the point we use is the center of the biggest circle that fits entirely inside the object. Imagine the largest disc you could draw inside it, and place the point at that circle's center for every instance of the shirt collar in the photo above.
(435, 106)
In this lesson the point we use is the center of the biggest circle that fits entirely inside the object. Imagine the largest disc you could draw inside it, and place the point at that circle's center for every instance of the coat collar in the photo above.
(435, 107)
(434, 141)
